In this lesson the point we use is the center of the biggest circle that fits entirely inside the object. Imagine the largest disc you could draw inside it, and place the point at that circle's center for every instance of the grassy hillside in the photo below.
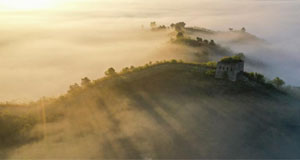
(168, 110)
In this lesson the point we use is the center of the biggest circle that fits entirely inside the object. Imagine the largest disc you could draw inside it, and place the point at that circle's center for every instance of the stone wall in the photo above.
(231, 70)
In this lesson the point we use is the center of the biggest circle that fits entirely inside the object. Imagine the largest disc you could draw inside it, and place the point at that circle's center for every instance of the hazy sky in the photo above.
(47, 45)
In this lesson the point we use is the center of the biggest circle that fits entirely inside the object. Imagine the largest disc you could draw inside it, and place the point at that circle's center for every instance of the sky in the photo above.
(47, 45)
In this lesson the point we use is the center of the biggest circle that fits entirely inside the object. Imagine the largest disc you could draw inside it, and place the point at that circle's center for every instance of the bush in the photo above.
(74, 88)
(174, 61)
(85, 82)
(111, 71)
(15, 129)
(233, 59)
(277, 82)
(210, 72)
(256, 77)
(211, 64)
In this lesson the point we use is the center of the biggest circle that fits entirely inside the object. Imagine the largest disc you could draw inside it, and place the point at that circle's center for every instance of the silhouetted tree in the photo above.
(173, 61)
(212, 42)
(179, 27)
(256, 77)
(278, 82)
(162, 27)
(153, 25)
(110, 71)
(205, 41)
(172, 25)
(240, 56)
(85, 81)
(231, 29)
(125, 70)
(199, 39)
(74, 87)
(179, 35)
(243, 29)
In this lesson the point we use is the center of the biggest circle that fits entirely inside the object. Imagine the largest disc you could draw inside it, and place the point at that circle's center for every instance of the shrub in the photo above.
(277, 82)
(256, 77)
(74, 88)
(85, 82)
(173, 61)
(179, 35)
(211, 64)
(232, 59)
(111, 71)
(210, 72)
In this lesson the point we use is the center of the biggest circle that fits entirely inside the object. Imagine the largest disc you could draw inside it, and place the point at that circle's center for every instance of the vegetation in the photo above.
(110, 72)
(15, 129)
(277, 82)
(257, 77)
(233, 59)
(172, 102)
(198, 42)
(179, 27)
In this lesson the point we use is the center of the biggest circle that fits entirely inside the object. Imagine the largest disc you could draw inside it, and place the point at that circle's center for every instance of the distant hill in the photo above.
(167, 110)
(233, 36)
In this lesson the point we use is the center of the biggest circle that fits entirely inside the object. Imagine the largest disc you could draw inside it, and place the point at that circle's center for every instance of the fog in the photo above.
(158, 113)
(42, 52)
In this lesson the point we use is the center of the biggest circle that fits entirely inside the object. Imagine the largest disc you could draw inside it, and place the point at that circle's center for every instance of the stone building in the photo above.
(230, 68)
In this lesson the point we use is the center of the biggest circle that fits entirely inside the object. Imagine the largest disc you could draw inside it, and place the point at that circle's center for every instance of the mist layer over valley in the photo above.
(37, 47)
(101, 79)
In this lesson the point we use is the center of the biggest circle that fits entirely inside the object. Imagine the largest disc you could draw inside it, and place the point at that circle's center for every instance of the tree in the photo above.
(179, 27)
(111, 71)
(73, 88)
(243, 29)
(172, 25)
(240, 56)
(153, 25)
(179, 35)
(162, 27)
(278, 82)
(206, 41)
(173, 61)
(125, 70)
(199, 39)
(231, 29)
(256, 77)
(212, 42)
(85, 81)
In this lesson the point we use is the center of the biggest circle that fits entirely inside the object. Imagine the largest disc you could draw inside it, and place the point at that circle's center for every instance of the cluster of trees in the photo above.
(154, 27)
(277, 82)
(179, 27)
(15, 128)
(180, 38)
(205, 41)
(257, 77)
(241, 30)
(260, 78)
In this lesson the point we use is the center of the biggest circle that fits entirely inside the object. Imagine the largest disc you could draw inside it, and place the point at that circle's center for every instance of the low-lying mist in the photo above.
(169, 110)
(42, 52)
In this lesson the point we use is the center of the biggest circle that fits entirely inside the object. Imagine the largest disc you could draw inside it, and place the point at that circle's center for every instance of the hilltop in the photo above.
(164, 110)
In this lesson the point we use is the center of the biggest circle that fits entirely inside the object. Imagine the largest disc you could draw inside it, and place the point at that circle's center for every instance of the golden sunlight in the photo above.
(27, 4)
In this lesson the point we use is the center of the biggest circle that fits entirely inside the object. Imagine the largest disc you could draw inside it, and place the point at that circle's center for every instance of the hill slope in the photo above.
(166, 111)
